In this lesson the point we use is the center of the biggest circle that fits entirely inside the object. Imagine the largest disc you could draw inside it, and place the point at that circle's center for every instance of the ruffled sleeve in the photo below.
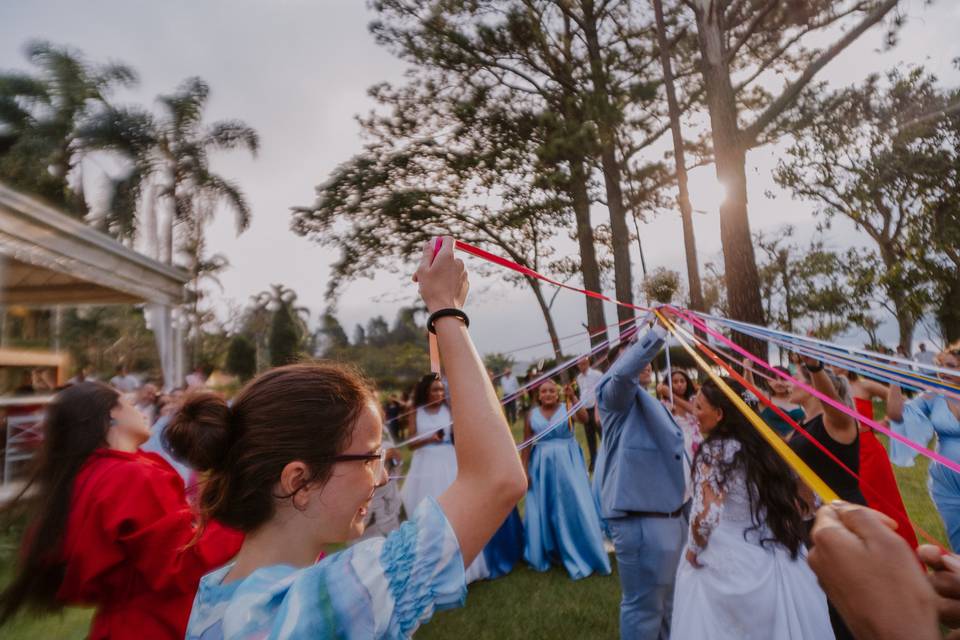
(382, 587)
(915, 425)
(424, 568)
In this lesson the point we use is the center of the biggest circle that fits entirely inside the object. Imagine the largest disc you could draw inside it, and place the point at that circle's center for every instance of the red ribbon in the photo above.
(530, 273)
(806, 434)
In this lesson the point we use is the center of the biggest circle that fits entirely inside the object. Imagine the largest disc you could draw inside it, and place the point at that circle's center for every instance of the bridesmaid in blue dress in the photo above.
(562, 522)
(921, 418)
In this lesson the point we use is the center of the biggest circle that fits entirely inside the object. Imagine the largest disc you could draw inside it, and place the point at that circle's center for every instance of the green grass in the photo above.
(524, 604)
(527, 604)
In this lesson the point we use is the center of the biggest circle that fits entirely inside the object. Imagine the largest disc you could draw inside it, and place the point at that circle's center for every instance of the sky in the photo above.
(298, 72)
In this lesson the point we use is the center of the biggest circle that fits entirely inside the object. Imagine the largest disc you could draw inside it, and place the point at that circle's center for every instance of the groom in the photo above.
(642, 489)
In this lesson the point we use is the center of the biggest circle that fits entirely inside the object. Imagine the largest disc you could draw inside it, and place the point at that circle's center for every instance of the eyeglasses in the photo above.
(379, 460)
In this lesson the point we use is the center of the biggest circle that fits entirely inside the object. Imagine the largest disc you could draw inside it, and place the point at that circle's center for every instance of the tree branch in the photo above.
(790, 93)
(755, 22)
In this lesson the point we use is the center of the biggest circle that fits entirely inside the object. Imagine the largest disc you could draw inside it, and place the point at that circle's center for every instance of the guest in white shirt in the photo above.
(587, 381)
(509, 384)
(123, 381)
(923, 356)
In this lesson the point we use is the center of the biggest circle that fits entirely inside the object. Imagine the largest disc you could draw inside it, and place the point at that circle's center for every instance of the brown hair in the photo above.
(74, 426)
(298, 412)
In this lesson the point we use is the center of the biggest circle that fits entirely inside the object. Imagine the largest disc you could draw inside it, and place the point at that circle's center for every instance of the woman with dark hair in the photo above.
(877, 481)
(294, 462)
(678, 397)
(745, 572)
(836, 431)
(781, 391)
(561, 522)
(433, 467)
(110, 525)
(831, 427)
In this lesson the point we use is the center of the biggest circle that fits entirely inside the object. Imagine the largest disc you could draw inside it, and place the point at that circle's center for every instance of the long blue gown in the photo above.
(505, 548)
(561, 520)
(924, 416)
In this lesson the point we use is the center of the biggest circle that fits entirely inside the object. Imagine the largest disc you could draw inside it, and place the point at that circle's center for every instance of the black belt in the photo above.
(656, 514)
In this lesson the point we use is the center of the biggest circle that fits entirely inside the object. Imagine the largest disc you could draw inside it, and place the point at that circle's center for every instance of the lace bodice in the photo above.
(715, 501)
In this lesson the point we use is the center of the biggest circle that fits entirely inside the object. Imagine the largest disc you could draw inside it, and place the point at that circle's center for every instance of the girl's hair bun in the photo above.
(200, 432)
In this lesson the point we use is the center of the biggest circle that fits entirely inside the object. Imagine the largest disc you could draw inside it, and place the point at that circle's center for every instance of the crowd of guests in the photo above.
(713, 534)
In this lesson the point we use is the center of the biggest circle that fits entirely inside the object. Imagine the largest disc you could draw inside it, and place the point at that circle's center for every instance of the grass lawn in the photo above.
(525, 604)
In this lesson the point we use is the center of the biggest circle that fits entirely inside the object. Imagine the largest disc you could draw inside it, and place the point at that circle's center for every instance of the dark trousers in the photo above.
(511, 408)
(591, 429)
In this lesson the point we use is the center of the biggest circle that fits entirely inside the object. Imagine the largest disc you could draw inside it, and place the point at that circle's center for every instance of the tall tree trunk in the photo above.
(590, 268)
(740, 267)
(547, 317)
(620, 234)
(906, 320)
(948, 313)
(683, 195)
(905, 323)
(788, 302)
(579, 193)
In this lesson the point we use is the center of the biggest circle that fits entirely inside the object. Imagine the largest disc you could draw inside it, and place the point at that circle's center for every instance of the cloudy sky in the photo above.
(298, 71)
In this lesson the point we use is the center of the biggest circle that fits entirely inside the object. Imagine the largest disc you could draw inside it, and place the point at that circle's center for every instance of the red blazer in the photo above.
(125, 547)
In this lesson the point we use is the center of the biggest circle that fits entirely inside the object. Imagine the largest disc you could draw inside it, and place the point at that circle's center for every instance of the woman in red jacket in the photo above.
(111, 527)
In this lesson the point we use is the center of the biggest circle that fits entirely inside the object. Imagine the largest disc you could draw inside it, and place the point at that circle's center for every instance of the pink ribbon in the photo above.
(933, 455)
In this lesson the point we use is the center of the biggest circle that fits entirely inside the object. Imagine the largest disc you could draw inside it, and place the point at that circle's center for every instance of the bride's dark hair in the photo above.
(771, 485)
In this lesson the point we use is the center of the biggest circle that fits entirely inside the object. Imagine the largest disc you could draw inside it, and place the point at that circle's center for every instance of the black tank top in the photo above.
(844, 484)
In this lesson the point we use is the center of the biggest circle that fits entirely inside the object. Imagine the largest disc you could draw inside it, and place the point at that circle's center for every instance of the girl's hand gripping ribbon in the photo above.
(431, 337)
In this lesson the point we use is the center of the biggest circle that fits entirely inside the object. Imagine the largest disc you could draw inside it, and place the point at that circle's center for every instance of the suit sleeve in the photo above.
(616, 388)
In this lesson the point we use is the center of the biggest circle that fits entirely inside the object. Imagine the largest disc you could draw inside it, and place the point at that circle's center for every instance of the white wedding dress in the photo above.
(433, 469)
(743, 590)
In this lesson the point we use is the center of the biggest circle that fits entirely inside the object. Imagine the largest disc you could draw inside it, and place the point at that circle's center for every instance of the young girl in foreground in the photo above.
(110, 525)
(294, 463)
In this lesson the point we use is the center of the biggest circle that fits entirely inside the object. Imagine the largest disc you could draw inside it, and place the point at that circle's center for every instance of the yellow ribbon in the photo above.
(779, 445)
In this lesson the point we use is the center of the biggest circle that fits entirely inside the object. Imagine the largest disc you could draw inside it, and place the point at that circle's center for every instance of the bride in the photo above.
(744, 574)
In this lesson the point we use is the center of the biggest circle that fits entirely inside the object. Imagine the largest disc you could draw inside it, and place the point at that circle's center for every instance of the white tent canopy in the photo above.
(48, 258)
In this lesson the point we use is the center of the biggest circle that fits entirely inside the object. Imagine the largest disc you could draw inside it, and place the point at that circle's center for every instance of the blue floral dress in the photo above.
(379, 588)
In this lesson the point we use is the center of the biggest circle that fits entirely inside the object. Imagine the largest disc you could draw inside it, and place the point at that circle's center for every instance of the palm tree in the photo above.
(172, 153)
(279, 296)
(203, 269)
(282, 301)
(41, 116)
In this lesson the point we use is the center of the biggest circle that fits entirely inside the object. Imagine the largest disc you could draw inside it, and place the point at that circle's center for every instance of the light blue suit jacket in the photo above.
(641, 466)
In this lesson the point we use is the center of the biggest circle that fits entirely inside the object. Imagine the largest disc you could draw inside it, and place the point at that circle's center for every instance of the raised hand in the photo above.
(944, 577)
(858, 557)
(443, 279)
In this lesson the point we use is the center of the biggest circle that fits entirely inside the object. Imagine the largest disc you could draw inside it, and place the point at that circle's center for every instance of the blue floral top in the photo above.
(379, 588)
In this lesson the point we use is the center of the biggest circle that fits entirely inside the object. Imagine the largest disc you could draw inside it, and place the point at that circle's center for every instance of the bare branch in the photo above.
(790, 93)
